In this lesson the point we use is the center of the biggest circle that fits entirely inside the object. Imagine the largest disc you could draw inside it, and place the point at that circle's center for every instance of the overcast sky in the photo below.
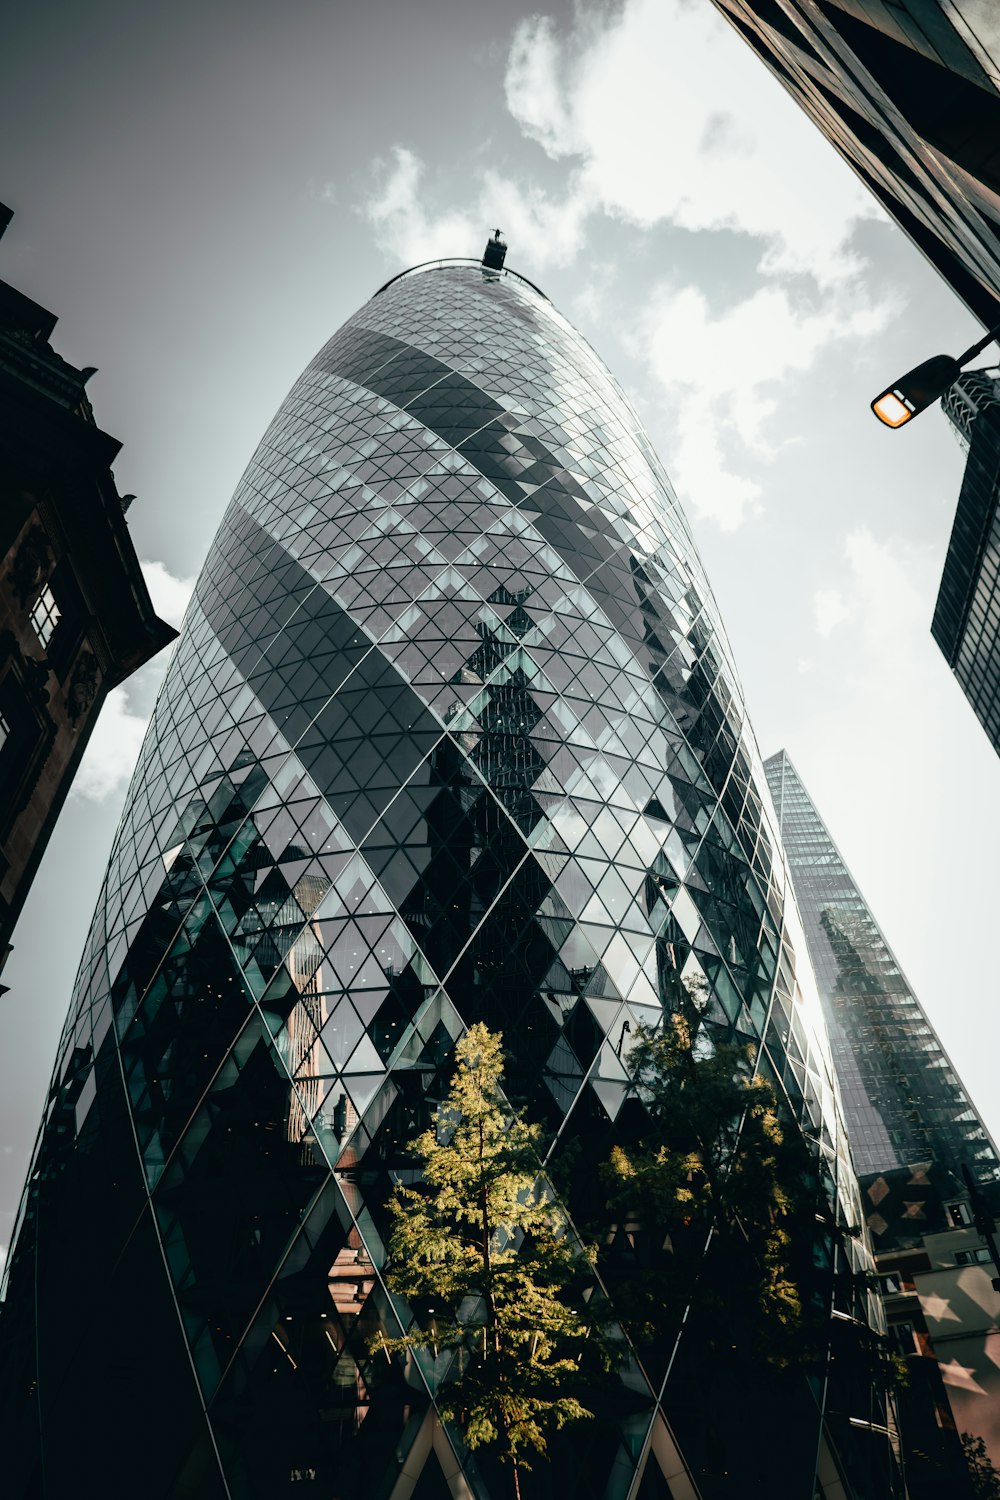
(203, 193)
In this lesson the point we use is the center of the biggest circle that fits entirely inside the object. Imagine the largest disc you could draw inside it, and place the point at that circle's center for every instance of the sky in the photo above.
(203, 193)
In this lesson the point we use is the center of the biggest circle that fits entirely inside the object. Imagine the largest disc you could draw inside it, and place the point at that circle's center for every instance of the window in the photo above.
(978, 1257)
(959, 1215)
(44, 616)
(901, 1335)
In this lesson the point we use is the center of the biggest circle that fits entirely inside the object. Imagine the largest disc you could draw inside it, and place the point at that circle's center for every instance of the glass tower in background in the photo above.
(452, 734)
(966, 621)
(912, 1129)
(902, 1100)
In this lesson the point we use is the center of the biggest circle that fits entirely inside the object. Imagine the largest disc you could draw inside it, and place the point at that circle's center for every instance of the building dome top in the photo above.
(446, 262)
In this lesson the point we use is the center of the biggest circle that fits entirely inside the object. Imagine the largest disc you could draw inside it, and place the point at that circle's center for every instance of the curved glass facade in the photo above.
(452, 734)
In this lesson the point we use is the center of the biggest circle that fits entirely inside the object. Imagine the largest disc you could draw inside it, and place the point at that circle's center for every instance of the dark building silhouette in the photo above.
(913, 1129)
(451, 735)
(75, 614)
(966, 621)
(907, 92)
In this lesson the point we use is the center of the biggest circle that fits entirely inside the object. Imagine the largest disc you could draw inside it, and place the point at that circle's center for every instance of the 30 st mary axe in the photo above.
(452, 734)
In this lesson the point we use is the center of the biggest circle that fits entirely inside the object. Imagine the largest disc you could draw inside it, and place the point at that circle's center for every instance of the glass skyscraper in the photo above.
(452, 734)
(966, 622)
(902, 1100)
(912, 1129)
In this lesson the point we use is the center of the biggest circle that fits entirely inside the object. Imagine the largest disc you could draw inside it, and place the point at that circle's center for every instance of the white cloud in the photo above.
(723, 372)
(633, 96)
(630, 100)
(831, 609)
(730, 358)
(893, 604)
(888, 677)
(547, 231)
(595, 299)
(700, 467)
(113, 749)
(534, 88)
(170, 595)
(116, 739)
(403, 226)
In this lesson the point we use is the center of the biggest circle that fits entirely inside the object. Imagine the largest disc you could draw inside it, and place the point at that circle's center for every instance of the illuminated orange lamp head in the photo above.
(908, 396)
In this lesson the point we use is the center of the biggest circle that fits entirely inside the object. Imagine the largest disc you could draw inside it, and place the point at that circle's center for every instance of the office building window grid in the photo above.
(902, 1099)
(966, 621)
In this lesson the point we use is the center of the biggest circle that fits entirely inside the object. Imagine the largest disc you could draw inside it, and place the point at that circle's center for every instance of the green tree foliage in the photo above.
(985, 1478)
(479, 1250)
(712, 1193)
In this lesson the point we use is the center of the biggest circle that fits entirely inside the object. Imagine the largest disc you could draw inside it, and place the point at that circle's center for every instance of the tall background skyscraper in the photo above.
(914, 1132)
(902, 1099)
(452, 735)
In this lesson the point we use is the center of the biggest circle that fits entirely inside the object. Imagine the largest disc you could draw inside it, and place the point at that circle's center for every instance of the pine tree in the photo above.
(481, 1252)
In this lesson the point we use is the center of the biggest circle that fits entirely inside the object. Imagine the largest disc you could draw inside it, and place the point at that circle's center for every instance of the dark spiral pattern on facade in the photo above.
(452, 734)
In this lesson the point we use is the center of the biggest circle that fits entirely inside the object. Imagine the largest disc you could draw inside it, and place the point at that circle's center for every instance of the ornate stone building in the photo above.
(75, 614)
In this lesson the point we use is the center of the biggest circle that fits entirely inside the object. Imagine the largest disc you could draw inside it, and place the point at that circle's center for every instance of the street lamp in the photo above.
(918, 388)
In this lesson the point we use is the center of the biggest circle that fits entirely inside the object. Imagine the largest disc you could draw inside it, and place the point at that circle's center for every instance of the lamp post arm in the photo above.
(963, 359)
(913, 392)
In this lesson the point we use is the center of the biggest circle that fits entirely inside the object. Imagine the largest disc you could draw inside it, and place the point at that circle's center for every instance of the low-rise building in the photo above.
(939, 1290)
